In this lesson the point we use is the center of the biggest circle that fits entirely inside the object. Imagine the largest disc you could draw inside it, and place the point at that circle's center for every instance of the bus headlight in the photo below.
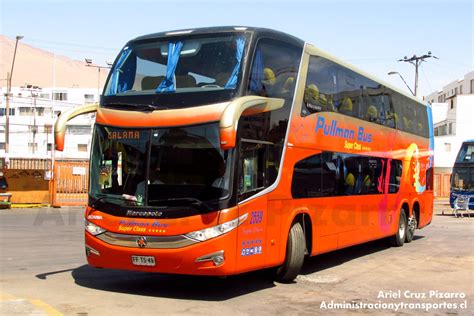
(93, 228)
(212, 232)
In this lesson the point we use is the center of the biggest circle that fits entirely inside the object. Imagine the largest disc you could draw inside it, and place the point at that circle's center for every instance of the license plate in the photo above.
(143, 261)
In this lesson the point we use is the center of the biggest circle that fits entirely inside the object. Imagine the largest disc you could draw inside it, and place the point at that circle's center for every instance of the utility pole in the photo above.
(89, 64)
(416, 61)
(7, 105)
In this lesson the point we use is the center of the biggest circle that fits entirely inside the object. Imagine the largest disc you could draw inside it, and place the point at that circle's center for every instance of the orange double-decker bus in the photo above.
(218, 151)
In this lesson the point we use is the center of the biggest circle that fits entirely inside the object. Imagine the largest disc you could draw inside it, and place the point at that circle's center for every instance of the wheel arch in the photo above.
(405, 206)
(305, 220)
(301, 215)
(416, 209)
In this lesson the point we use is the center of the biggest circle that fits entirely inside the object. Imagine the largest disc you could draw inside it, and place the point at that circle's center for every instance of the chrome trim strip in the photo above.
(179, 32)
(92, 250)
(153, 242)
(254, 141)
(210, 256)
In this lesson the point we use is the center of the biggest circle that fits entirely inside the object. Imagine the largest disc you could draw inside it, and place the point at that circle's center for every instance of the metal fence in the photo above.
(70, 183)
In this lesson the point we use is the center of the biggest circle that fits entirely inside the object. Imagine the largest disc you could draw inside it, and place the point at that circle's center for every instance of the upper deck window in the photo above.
(331, 87)
(178, 65)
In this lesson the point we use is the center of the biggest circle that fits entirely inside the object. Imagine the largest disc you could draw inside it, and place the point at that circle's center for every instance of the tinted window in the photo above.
(252, 167)
(307, 178)
(421, 118)
(466, 153)
(377, 106)
(336, 174)
(274, 69)
(395, 176)
(158, 167)
(200, 64)
(462, 178)
(118, 164)
(429, 179)
(372, 176)
(315, 176)
(410, 117)
(332, 87)
(321, 86)
(273, 74)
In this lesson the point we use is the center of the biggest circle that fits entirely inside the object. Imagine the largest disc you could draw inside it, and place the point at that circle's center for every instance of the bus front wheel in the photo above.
(398, 239)
(295, 250)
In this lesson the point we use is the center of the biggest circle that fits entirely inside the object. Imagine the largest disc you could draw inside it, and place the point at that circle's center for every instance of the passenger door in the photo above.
(252, 179)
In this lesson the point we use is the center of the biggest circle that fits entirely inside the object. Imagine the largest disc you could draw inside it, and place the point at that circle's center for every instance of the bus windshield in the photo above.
(178, 65)
(466, 154)
(156, 167)
(463, 178)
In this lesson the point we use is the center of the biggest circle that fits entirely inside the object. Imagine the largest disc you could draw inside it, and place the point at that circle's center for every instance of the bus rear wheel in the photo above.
(295, 250)
(412, 224)
(398, 239)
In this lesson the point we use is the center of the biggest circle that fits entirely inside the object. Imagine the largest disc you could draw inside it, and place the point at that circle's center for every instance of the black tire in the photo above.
(411, 227)
(295, 250)
(398, 239)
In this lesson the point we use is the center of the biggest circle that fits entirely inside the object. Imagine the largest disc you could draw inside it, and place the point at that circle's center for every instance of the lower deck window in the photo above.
(338, 174)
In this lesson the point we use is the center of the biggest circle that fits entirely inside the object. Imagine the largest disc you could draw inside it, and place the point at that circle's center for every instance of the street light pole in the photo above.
(89, 64)
(7, 105)
(406, 84)
(416, 61)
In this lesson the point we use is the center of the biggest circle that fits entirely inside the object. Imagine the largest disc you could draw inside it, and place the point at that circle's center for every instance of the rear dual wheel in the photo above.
(412, 225)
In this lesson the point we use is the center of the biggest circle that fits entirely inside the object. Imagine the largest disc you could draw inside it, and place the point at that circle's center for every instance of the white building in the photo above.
(453, 118)
(33, 112)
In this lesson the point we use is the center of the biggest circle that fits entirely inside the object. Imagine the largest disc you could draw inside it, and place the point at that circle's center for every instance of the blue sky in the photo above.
(371, 35)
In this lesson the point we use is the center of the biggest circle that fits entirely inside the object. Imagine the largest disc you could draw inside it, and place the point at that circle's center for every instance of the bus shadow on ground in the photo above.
(206, 288)
(171, 286)
(335, 258)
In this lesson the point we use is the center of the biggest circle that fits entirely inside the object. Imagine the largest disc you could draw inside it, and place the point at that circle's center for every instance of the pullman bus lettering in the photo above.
(334, 129)
(217, 139)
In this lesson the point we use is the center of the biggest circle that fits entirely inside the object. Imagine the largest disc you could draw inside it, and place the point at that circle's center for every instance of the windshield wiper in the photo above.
(135, 106)
(188, 199)
(101, 197)
(461, 188)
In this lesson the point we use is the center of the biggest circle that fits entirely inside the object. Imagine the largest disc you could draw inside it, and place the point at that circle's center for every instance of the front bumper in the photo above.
(187, 259)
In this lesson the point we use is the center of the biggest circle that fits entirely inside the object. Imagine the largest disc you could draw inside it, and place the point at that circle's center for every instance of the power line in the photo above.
(60, 49)
(71, 44)
(369, 59)
(426, 78)
(416, 61)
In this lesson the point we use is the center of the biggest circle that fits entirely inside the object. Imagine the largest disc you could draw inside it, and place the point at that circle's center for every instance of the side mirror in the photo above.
(60, 126)
(247, 105)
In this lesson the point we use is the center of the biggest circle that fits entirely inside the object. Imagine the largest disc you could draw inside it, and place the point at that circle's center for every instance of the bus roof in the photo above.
(265, 32)
(258, 31)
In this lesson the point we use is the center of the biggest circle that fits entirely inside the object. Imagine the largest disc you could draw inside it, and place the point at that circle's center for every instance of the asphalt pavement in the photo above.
(43, 271)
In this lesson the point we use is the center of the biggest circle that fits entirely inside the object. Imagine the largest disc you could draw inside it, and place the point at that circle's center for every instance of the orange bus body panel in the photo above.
(261, 240)
(339, 222)
(161, 118)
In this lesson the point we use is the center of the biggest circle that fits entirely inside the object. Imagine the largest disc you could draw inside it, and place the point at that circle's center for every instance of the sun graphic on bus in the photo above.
(418, 180)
